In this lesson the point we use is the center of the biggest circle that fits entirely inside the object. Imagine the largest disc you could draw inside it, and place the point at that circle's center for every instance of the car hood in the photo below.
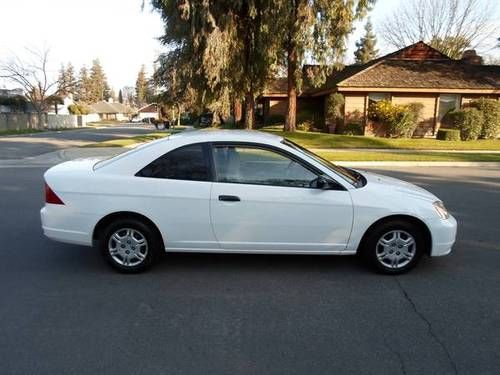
(398, 186)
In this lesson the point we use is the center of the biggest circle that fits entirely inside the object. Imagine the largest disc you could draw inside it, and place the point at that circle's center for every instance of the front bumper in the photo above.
(443, 233)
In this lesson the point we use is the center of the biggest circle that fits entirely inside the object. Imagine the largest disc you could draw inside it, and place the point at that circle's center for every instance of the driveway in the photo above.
(64, 311)
(19, 147)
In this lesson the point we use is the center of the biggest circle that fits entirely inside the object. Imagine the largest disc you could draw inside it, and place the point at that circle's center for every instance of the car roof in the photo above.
(216, 135)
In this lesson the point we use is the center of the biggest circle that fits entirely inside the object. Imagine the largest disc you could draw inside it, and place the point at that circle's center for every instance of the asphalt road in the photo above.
(63, 311)
(29, 145)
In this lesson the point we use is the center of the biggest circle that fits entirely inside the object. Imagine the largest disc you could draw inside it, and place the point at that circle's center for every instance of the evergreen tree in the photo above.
(99, 88)
(120, 96)
(307, 27)
(365, 47)
(141, 87)
(66, 81)
(83, 87)
(218, 51)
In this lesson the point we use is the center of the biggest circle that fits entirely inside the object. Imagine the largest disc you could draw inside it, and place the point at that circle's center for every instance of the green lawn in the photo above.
(19, 132)
(323, 140)
(317, 140)
(408, 156)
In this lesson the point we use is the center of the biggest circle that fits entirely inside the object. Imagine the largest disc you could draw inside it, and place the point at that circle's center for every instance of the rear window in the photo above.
(185, 163)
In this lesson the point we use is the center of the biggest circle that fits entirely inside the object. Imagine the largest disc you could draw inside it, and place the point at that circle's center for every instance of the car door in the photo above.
(261, 200)
(175, 193)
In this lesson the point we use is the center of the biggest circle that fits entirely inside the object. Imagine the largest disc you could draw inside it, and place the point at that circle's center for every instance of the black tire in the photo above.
(150, 255)
(376, 255)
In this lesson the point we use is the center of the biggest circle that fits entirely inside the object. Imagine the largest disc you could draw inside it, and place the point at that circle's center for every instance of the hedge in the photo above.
(491, 116)
(448, 134)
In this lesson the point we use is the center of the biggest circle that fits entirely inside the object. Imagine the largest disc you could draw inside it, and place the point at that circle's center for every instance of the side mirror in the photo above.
(324, 183)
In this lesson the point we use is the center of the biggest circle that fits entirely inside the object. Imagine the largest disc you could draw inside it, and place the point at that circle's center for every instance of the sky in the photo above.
(117, 32)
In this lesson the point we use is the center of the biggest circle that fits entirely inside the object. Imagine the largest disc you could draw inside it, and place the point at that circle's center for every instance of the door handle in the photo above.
(229, 198)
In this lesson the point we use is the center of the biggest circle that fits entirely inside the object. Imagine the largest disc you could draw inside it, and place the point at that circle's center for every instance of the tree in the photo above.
(128, 93)
(67, 82)
(218, 51)
(32, 75)
(450, 26)
(142, 88)
(309, 26)
(98, 84)
(365, 47)
(120, 96)
(83, 87)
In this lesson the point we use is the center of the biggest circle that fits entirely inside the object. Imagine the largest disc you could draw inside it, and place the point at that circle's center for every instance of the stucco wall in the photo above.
(20, 121)
(277, 107)
(62, 121)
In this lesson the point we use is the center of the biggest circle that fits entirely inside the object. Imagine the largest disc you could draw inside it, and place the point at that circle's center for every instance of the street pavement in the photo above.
(30, 145)
(64, 311)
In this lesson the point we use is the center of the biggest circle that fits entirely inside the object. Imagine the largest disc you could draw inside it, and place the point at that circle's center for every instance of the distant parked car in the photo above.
(206, 119)
(240, 192)
(136, 120)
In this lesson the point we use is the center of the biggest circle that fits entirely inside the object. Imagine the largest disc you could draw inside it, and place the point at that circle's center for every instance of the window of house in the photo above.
(448, 102)
(184, 163)
(374, 97)
(259, 166)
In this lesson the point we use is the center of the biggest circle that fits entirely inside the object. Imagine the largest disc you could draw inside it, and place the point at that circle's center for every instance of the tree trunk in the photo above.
(249, 111)
(178, 115)
(237, 111)
(291, 113)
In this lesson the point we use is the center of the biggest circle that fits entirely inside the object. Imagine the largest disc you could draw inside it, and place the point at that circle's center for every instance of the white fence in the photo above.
(20, 121)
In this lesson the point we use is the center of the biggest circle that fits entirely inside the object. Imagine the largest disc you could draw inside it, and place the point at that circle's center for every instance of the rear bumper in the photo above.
(444, 233)
(60, 226)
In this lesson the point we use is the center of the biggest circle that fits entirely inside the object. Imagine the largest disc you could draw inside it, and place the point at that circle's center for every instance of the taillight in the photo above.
(51, 197)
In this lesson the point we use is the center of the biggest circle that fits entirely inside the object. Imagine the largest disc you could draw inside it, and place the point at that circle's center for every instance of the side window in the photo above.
(184, 163)
(254, 165)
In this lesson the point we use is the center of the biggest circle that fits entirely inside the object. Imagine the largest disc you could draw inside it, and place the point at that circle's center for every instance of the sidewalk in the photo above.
(402, 151)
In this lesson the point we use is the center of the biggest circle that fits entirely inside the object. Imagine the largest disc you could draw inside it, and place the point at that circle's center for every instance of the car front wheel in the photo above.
(129, 246)
(394, 247)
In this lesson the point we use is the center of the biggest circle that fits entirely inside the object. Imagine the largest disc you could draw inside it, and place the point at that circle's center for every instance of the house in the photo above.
(111, 110)
(417, 73)
(148, 111)
(14, 101)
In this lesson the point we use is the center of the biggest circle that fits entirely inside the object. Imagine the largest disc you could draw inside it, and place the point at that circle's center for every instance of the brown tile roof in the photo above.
(443, 74)
(105, 107)
(153, 107)
(415, 66)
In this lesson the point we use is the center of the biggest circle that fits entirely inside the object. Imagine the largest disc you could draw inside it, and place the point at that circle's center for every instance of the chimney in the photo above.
(471, 57)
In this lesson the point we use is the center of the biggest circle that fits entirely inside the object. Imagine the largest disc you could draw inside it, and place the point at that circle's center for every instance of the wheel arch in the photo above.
(407, 218)
(106, 220)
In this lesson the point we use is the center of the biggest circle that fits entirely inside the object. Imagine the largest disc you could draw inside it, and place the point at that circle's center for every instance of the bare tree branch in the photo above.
(31, 74)
(450, 26)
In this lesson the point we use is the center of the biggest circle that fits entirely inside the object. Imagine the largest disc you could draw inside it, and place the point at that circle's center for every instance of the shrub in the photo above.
(305, 126)
(448, 134)
(491, 117)
(401, 120)
(452, 118)
(469, 121)
(78, 109)
(275, 120)
(352, 128)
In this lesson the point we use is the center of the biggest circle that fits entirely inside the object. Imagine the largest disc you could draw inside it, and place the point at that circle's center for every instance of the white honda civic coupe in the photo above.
(239, 192)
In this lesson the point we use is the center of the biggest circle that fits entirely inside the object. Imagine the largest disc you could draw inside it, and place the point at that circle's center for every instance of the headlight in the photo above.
(441, 210)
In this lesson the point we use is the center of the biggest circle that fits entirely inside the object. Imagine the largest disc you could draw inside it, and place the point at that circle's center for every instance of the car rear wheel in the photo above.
(394, 247)
(129, 245)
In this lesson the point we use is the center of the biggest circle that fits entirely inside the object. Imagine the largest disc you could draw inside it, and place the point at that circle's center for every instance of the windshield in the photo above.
(351, 176)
